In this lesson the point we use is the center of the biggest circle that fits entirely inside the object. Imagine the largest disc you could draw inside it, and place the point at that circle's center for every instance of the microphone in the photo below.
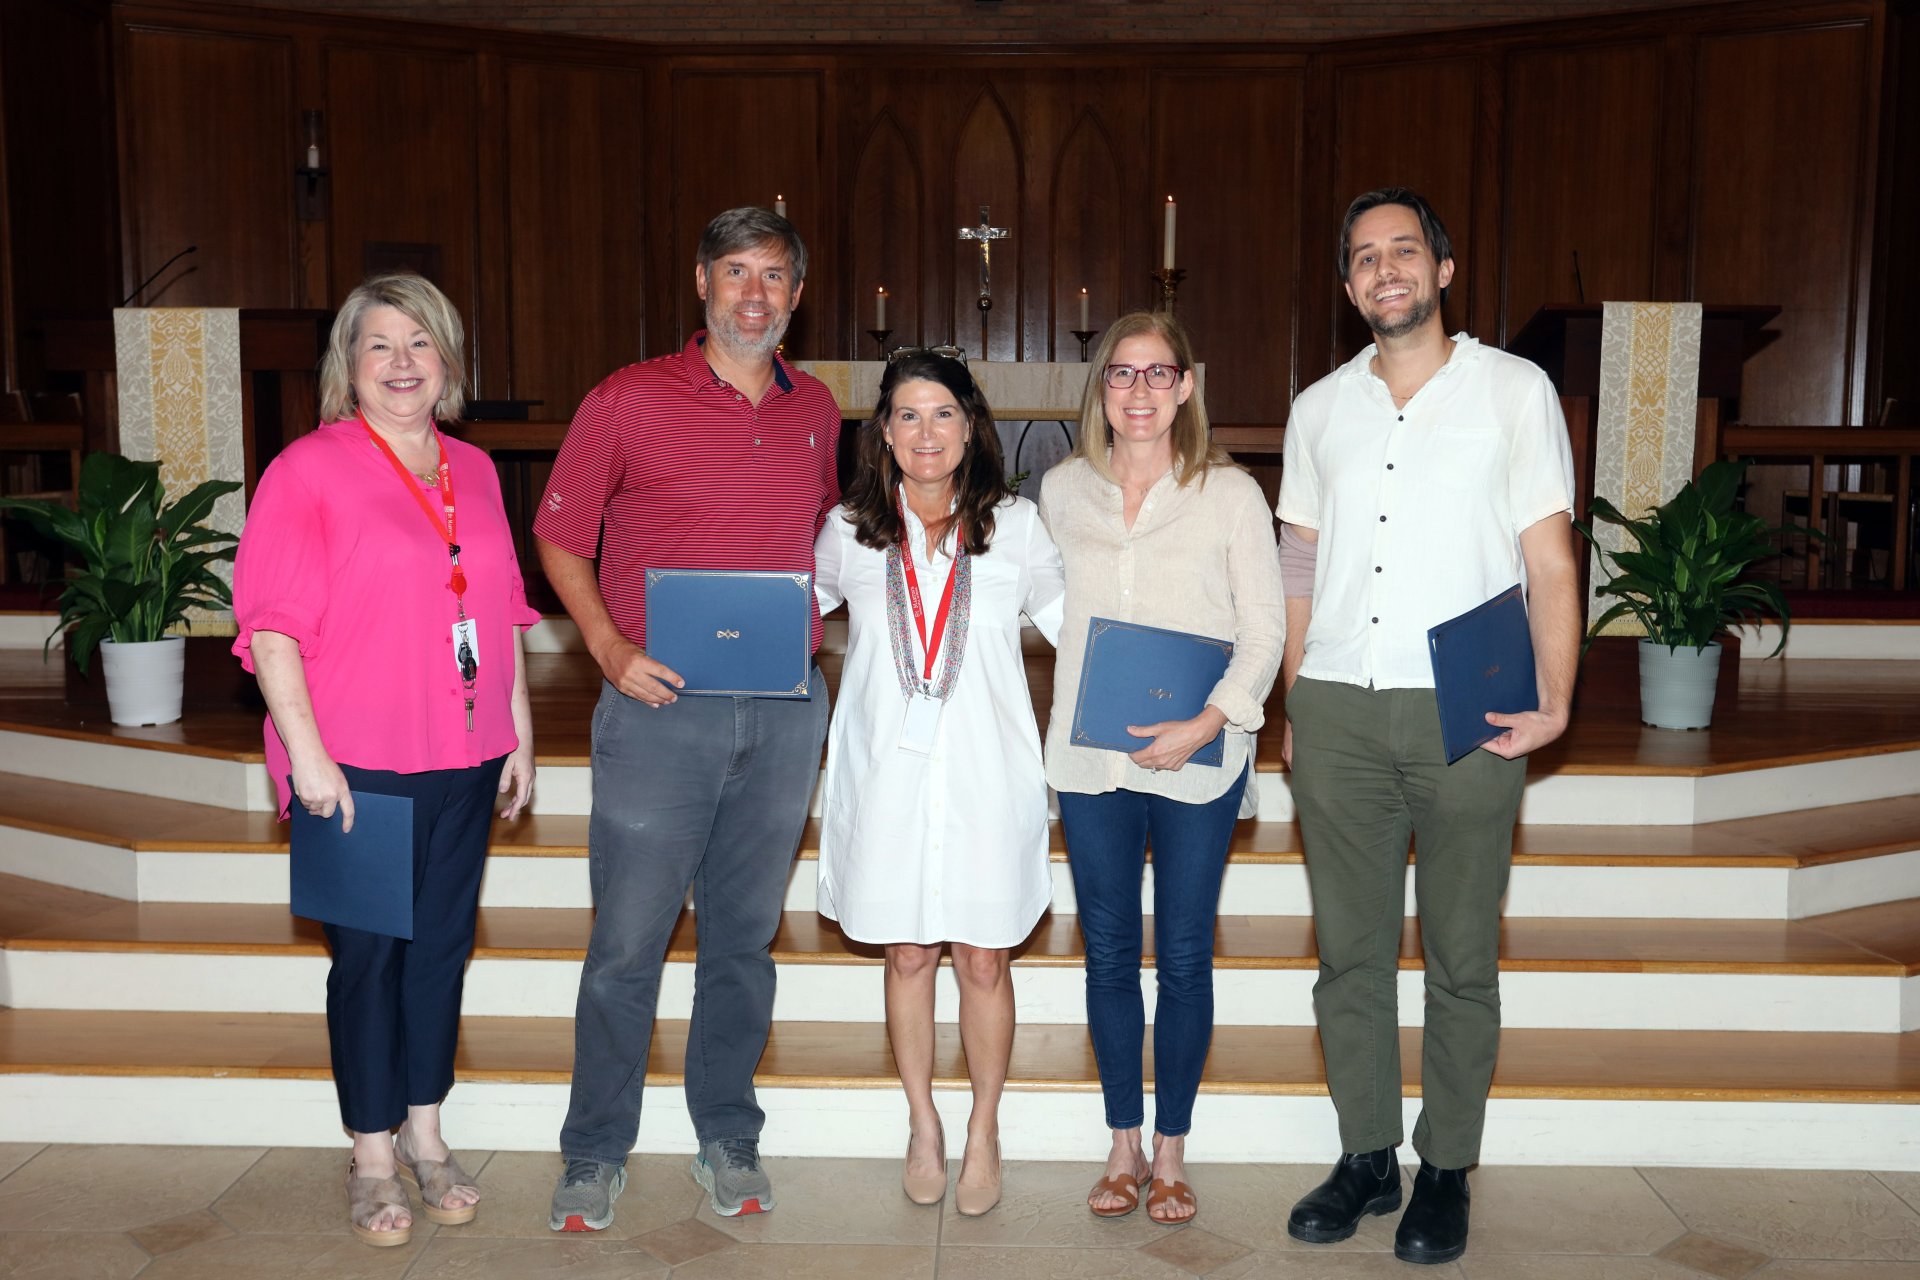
(192, 248)
(1579, 287)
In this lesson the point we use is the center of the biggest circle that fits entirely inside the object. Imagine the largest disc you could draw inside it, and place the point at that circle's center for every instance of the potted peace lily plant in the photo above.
(1684, 581)
(144, 563)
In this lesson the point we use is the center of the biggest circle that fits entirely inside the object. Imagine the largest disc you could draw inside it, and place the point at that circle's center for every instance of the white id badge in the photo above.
(466, 634)
(922, 720)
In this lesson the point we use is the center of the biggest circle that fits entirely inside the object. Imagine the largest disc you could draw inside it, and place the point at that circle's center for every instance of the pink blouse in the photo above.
(337, 555)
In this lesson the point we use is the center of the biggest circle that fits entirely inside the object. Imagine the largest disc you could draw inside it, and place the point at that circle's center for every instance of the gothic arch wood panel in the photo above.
(888, 206)
(987, 171)
(1086, 237)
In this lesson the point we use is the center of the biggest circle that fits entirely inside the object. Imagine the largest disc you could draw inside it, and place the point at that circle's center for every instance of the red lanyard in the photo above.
(913, 593)
(447, 530)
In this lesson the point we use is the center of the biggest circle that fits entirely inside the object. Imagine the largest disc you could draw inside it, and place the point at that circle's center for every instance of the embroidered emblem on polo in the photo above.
(553, 502)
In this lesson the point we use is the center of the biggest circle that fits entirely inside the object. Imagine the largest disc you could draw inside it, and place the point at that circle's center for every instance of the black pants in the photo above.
(393, 1006)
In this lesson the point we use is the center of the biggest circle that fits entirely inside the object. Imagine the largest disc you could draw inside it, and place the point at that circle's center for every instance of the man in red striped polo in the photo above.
(719, 456)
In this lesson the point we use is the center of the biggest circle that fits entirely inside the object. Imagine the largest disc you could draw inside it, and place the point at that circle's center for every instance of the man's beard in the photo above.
(738, 343)
(1410, 319)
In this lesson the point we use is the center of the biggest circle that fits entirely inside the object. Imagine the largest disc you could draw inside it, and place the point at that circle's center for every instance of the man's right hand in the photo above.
(628, 669)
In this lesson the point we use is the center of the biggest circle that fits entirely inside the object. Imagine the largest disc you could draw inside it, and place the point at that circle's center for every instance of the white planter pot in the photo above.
(144, 680)
(1676, 685)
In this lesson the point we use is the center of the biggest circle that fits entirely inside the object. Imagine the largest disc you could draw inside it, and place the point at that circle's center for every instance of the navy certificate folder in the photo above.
(362, 879)
(733, 633)
(1145, 675)
(1482, 661)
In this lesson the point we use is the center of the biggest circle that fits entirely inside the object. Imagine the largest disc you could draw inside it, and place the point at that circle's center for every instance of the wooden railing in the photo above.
(1823, 445)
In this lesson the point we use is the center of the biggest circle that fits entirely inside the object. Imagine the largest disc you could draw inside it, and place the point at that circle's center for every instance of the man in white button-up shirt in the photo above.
(1430, 473)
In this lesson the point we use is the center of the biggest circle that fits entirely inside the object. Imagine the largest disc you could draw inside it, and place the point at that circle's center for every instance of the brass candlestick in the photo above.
(880, 337)
(1085, 336)
(1169, 278)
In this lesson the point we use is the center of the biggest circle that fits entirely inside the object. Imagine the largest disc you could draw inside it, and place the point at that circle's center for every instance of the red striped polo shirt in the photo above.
(681, 471)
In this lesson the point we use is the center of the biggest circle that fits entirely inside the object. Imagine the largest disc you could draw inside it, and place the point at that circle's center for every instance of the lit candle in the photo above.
(880, 308)
(780, 205)
(1084, 326)
(1166, 240)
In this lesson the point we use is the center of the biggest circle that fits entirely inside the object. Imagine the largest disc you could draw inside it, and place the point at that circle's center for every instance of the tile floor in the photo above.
(222, 1213)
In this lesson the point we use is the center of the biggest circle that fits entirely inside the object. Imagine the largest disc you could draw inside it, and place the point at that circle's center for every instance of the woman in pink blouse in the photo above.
(380, 607)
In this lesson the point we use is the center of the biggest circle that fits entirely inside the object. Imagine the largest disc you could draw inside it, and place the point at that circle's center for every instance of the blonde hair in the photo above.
(416, 298)
(1193, 448)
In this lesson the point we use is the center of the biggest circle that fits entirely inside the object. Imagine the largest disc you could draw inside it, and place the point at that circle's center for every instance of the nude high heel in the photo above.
(930, 1189)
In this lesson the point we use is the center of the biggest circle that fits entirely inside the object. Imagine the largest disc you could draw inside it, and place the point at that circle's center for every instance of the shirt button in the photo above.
(756, 440)
(1376, 619)
(1383, 519)
(1402, 418)
(1389, 466)
(1376, 568)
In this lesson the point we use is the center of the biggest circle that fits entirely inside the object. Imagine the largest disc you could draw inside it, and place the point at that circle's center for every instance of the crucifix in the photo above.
(985, 234)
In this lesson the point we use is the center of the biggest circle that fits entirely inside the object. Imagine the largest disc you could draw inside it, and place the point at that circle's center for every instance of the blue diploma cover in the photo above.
(733, 633)
(362, 879)
(1146, 675)
(1482, 661)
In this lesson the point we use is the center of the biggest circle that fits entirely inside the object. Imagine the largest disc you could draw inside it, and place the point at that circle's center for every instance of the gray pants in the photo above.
(707, 792)
(1368, 771)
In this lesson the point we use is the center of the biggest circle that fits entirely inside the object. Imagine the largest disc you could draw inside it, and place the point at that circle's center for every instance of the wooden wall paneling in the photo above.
(489, 328)
(404, 124)
(1400, 124)
(208, 145)
(62, 230)
(741, 137)
(1895, 322)
(987, 168)
(1086, 234)
(1227, 146)
(1780, 175)
(1582, 176)
(576, 166)
(886, 237)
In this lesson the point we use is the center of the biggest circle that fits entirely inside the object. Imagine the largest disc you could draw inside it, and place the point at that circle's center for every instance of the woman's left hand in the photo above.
(516, 776)
(1176, 740)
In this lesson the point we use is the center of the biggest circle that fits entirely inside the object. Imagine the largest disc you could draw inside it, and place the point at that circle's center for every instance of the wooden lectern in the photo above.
(279, 390)
(279, 400)
(1563, 338)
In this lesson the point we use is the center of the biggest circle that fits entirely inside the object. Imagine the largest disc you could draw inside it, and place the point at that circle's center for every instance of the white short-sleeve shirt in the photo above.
(1419, 509)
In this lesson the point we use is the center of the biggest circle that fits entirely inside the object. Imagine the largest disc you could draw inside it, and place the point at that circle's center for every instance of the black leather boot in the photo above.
(1434, 1227)
(1359, 1185)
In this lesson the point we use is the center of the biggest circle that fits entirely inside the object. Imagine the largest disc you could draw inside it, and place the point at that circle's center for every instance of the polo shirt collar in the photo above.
(700, 375)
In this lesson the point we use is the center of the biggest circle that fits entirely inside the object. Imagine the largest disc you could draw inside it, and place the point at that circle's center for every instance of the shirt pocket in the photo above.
(1468, 459)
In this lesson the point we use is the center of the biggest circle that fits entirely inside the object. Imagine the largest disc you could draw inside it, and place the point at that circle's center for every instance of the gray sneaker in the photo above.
(584, 1199)
(730, 1171)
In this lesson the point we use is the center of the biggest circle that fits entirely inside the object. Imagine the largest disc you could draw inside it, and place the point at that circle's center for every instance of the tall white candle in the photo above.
(880, 308)
(1084, 326)
(780, 205)
(1166, 240)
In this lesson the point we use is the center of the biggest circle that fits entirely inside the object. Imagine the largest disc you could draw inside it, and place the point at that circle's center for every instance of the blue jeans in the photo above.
(1107, 837)
(393, 1005)
(707, 792)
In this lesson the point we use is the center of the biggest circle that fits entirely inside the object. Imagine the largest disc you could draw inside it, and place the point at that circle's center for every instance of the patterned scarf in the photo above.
(900, 628)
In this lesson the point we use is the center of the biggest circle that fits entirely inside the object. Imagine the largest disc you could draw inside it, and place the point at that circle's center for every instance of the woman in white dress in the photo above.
(934, 823)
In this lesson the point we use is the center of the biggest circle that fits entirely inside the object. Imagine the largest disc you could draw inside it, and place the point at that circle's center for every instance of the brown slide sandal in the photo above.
(366, 1197)
(1124, 1185)
(1161, 1194)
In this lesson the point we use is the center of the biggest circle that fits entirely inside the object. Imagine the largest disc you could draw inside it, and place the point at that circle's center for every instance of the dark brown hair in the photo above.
(979, 485)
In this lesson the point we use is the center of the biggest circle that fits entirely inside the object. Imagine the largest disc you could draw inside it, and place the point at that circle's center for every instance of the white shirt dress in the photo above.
(951, 845)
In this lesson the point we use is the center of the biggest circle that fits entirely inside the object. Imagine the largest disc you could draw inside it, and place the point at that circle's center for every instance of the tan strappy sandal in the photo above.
(435, 1178)
(366, 1197)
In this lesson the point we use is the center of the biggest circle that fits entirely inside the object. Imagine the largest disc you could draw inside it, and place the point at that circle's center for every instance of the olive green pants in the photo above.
(1368, 772)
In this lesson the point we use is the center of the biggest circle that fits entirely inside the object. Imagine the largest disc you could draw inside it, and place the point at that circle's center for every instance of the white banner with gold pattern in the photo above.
(1644, 433)
(179, 373)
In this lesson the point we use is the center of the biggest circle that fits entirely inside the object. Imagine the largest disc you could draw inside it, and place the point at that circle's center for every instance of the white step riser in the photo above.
(1728, 893)
(1053, 994)
(1593, 799)
(1040, 1125)
(1889, 641)
(172, 775)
